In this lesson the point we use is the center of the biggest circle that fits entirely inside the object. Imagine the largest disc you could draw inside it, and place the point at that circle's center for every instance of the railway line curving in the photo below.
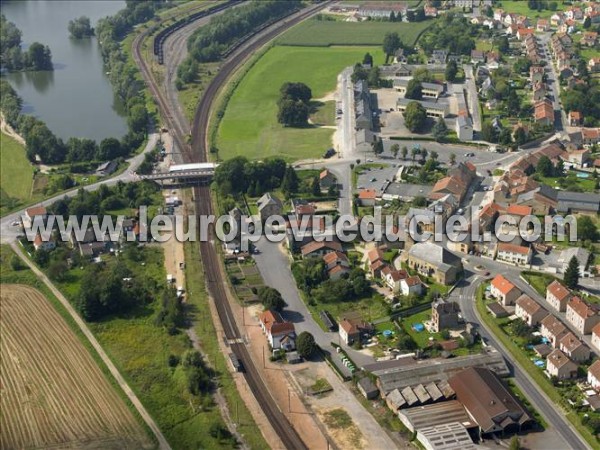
(198, 152)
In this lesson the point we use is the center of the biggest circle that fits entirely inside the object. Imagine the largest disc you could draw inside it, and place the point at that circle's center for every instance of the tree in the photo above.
(271, 298)
(587, 22)
(520, 136)
(514, 443)
(571, 277)
(451, 71)
(434, 155)
(419, 201)
(110, 148)
(80, 28)
(377, 146)
(137, 119)
(296, 91)
(414, 152)
(404, 151)
(439, 130)
(15, 263)
(513, 103)
(292, 113)
(305, 344)
(316, 186)
(415, 117)
(395, 148)
(502, 44)
(373, 78)
(391, 44)
(586, 229)
(488, 132)
(452, 158)
(545, 167)
(368, 59)
(39, 57)
(290, 182)
(414, 90)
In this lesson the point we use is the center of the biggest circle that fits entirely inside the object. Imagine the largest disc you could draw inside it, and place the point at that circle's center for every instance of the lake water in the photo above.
(76, 99)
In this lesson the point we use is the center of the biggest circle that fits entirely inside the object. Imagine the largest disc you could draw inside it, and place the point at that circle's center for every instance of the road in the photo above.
(472, 99)
(9, 233)
(135, 401)
(560, 118)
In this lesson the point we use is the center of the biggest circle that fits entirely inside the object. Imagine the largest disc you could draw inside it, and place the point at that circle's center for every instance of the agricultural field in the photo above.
(324, 32)
(53, 392)
(16, 173)
(249, 126)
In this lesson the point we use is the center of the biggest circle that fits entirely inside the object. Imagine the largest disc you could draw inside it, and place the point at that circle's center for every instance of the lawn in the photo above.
(539, 281)
(569, 182)
(324, 113)
(420, 337)
(520, 7)
(16, 173)
(323, 33)
(249, 126)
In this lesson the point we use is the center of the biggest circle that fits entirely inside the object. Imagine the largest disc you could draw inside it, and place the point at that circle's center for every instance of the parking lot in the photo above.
(375, 178)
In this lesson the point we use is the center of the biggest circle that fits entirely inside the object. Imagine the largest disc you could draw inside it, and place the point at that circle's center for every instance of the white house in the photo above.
(280, 334)
(560, 365)
(594, 375)
(529, 310)
(515, 254)
(502, 289)
(411, 285)
(558, 296)
(596, 337)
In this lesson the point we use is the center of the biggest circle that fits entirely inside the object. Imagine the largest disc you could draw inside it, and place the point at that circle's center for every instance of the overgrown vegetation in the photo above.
(12, 57)
(210, 41)
(80, 28)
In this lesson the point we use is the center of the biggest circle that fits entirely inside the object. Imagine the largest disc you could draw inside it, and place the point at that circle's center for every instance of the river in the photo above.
(76, 99)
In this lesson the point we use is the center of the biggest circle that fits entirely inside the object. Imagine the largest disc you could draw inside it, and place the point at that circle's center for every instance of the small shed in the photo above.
(367, 388)
(497, 310)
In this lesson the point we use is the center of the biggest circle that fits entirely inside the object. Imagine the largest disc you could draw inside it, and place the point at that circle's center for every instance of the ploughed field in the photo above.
(52, 393)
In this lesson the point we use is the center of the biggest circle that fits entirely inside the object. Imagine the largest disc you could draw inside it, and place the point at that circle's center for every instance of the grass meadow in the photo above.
(249, 126)
(324, 33)
(16, 173)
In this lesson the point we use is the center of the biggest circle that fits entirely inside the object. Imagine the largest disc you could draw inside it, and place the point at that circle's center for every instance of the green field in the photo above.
(520, 7)
(16, 173)
(249, 126)
(323, 33)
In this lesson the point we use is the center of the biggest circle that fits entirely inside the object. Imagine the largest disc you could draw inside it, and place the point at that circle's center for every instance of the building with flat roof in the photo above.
(434, 260)
(433, 109)
(450, 436)
(406, 372)
(428, 90)
(440, 413)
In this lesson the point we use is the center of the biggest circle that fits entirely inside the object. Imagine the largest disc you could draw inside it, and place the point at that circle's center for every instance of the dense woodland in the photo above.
(210, 41)
(451, 32)
(13, 58)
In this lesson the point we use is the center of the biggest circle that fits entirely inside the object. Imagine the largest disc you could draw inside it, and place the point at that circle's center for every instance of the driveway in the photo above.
(273, 263)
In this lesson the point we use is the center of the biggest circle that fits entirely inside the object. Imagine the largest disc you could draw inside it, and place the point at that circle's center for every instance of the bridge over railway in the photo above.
(196, 173)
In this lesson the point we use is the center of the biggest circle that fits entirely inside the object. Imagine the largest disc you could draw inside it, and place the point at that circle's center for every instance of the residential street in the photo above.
(560, 119)
(472, 99)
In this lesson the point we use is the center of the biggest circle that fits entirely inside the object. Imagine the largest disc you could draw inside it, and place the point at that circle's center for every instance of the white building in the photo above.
(515, 254)
(464, 128)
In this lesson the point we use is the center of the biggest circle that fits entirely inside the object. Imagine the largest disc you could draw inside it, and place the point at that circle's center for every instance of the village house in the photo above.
(43, 245)
(575, 118)
(32, 213)
(539, 92)
(593, 376)
(522, 32)
(411, 285)
(589, 38)
(434, 261)
(578, 158)
(596, 337)
(542, 25)
(582, 315)
(392, 278)
(316, 248)
(444, 315)
(502, 289)
(336, 264)
(268, 206)
(477, 56)
(515, 254)
(594, 65)
(558, 296)
(544, 112)
(367, 197)
(488, 215)
(351, 330)
(280, 334)
(560, 366)
(530, 311)
(552, 329)
(541, 200)
(571, 346)
(326, 179)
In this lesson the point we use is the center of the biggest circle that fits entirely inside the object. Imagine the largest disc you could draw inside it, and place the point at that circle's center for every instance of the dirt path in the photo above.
(162, 441)
(9, 131)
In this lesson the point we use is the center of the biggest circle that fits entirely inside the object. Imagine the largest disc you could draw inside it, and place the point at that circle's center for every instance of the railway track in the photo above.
(198, 152)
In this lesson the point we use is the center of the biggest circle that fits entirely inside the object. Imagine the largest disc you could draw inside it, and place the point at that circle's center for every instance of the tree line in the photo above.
(210, 41)
(240, 176)
(43, 143)
(12, 56)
